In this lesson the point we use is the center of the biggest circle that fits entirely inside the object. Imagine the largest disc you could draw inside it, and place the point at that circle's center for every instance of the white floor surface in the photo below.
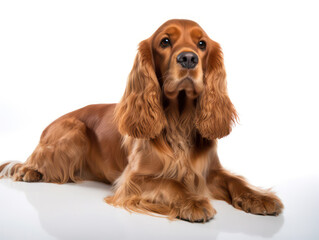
(77, 211)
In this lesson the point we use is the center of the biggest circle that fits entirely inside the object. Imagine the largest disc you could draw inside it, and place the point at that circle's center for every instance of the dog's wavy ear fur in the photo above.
(215, 113)
(139, 113)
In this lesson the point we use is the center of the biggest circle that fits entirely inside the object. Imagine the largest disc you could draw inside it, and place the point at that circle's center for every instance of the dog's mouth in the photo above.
(186, 85)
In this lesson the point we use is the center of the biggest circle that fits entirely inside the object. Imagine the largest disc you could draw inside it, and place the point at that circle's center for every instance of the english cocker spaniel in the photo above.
(158, 146)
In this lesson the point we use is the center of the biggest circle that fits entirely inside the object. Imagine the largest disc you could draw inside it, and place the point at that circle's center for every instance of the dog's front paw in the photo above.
(196, 210)
(262, 203)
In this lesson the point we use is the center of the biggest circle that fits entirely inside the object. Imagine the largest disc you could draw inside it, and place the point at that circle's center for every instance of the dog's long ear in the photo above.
(215, 113)
(140, 113)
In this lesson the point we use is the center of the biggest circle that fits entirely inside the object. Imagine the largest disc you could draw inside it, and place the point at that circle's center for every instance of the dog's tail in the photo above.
(9, 169)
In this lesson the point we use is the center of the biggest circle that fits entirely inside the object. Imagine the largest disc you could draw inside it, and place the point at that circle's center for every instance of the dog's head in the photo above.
(178, 57)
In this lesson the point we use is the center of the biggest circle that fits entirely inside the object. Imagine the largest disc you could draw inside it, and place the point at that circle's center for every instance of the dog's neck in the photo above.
(180, 114)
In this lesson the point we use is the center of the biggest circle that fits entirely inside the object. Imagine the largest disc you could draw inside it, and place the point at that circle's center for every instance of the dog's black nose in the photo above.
(187, 59)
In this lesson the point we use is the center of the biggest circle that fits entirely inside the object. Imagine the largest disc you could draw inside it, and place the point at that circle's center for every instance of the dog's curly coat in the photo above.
(158, 145)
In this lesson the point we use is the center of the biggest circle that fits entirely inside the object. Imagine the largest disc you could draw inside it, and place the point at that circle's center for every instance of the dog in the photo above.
(158, 146)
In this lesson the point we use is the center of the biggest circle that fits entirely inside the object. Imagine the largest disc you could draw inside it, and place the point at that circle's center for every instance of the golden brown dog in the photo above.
(158, 145)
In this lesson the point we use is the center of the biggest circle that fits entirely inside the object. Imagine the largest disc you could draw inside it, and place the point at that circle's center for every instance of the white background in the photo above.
(57, 56)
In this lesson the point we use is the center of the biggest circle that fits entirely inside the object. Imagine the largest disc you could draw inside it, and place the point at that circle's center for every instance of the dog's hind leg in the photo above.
(59, 157)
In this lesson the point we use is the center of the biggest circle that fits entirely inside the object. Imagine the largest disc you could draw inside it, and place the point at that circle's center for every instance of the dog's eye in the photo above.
(201, 45)
(165, 42)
